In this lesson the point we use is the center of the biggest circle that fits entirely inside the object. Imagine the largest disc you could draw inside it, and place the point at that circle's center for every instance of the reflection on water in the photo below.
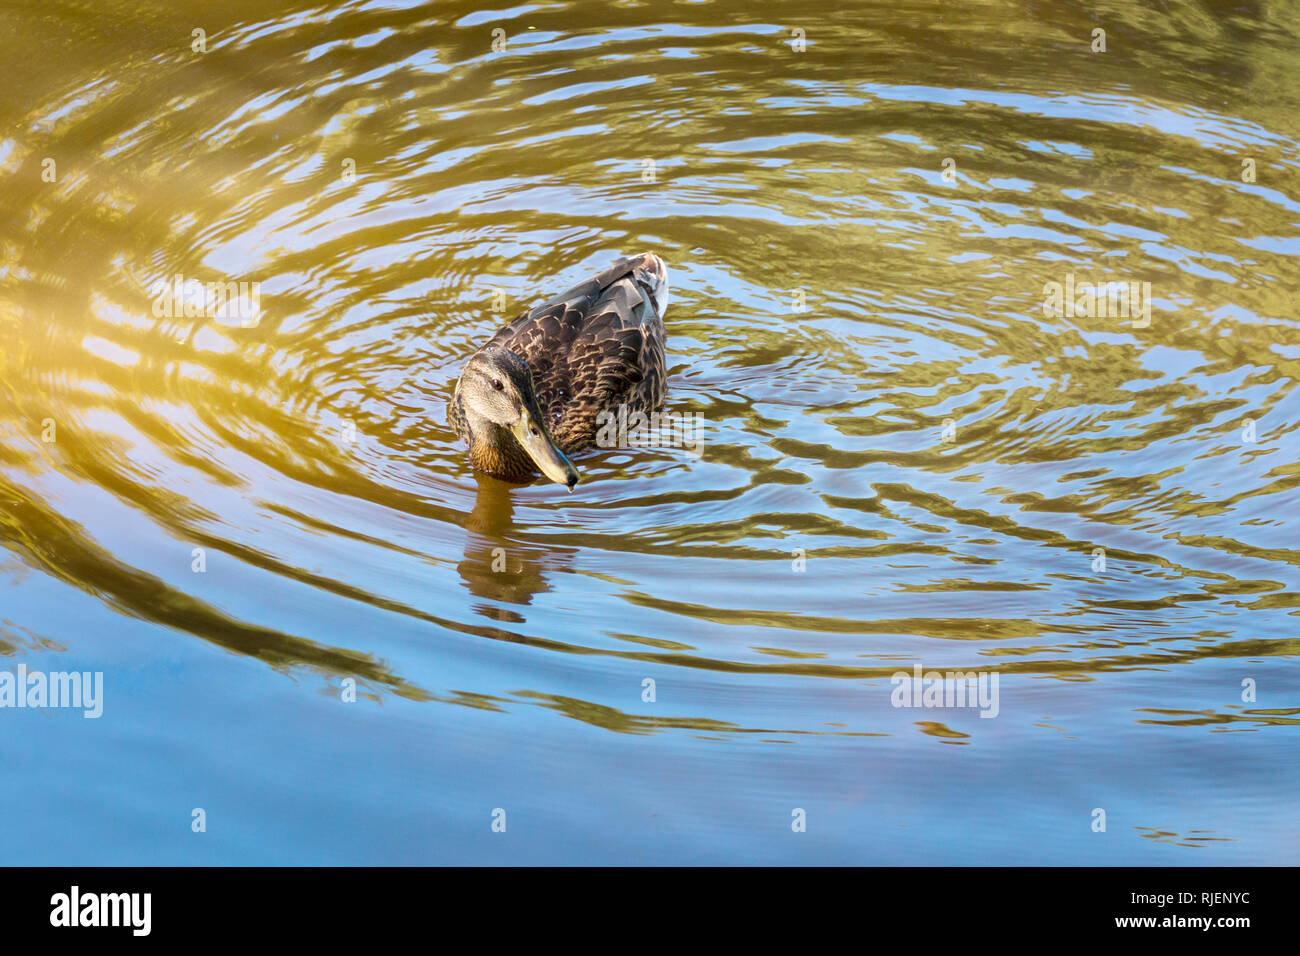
(500, 569)
(910, 456)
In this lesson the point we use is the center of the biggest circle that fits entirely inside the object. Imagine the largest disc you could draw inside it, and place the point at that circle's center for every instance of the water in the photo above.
(906, 461)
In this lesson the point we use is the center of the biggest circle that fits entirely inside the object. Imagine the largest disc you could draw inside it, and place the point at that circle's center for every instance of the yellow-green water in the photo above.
(905, 459)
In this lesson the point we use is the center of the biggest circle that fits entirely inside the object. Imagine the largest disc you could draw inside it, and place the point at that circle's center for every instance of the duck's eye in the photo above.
(496, 383)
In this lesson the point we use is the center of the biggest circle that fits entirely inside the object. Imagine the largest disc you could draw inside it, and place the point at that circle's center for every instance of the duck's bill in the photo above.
(536, 440)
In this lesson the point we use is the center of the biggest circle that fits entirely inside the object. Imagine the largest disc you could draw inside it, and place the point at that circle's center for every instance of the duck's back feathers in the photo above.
(596, 347)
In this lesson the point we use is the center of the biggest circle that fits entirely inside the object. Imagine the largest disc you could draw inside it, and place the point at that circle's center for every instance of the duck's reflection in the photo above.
(498, 565)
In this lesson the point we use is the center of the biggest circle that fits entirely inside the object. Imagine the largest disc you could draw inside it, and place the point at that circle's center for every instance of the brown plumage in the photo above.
(594, 348)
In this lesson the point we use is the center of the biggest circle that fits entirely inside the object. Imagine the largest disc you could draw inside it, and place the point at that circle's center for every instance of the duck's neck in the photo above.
(494, 450)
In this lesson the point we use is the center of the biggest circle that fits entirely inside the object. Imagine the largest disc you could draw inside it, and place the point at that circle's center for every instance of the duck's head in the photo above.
(508, 436)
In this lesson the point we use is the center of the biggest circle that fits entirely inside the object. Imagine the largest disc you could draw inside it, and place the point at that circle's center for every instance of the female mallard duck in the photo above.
(529, 398)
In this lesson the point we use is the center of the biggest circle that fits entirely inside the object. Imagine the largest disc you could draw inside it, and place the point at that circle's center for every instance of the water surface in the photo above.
(906, 461)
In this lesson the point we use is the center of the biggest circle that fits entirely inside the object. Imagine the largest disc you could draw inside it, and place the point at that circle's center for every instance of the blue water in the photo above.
(907, 459)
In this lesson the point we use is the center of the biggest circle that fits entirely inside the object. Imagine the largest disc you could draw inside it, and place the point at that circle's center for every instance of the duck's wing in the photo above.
(595, 347)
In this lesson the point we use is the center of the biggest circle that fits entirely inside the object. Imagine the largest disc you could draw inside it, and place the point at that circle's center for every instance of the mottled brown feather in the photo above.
(593, 348)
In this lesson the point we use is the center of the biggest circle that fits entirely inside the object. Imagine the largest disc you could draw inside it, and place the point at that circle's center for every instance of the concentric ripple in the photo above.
(906, 458)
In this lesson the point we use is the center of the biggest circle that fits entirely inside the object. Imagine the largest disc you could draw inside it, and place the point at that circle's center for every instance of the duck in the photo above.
(531, 397)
